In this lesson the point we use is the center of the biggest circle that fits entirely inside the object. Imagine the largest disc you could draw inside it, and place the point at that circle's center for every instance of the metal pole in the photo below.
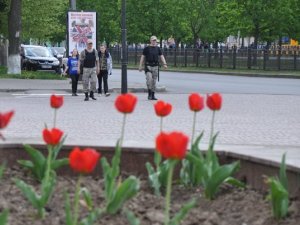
(73, 4)
(124, 49)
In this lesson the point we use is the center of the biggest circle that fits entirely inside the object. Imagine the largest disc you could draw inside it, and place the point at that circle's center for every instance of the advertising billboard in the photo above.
(81, 27)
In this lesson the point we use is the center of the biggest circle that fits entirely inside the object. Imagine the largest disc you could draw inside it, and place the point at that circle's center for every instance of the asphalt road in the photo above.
(179, 82)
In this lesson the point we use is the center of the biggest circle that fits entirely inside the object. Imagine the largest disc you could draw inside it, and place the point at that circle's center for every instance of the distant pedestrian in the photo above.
(72, 68)
(105, 66)
(90, 68)
(150, 59)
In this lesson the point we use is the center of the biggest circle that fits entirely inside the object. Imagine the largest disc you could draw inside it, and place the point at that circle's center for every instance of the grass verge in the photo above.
(44, 75)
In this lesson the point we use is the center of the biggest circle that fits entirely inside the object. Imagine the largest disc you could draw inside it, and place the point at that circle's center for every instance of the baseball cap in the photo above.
(153, 38)
(89, 41)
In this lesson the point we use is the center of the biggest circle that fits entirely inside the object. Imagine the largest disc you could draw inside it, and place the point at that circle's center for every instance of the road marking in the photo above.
(38, 95)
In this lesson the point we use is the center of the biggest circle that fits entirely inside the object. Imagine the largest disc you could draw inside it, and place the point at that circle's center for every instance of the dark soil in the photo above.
(232, 206)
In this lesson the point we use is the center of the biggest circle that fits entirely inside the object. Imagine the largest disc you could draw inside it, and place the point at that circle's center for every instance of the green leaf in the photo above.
(218, 177)
(132, 219)
(201, 173)
(153, 178)
(109, 182)
(38, 160)
(87, 198)
(234, 182)
(69, 219)
(57, 148)
(2, 168)
(47, 188)
(115, 165)
(59, 163)
(211, 156)
(279, 198)
(163, 172)
(126, 190)
(3, 217)
(26, 163)
(183, 212)
(157, 158)
(29, 193)
(282, 173)
(92, 217)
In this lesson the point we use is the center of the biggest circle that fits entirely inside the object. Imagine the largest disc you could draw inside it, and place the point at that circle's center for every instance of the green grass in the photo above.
(43, 75)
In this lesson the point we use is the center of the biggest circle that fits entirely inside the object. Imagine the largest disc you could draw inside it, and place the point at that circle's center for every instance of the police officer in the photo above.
(150, 57)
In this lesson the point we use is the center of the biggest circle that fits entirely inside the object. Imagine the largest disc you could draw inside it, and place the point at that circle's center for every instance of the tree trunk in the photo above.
(14, 32)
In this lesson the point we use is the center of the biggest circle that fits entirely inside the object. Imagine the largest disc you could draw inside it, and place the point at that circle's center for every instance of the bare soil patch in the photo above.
(232, 206)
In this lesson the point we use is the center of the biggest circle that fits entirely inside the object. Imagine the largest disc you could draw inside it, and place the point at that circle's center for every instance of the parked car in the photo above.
(34, 57)
(59, 53)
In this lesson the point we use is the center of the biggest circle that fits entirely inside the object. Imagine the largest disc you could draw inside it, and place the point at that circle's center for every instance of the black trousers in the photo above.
(103, 75)
(74, 79)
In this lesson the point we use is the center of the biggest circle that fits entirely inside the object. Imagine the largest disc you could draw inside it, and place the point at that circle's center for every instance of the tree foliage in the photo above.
(186, 21)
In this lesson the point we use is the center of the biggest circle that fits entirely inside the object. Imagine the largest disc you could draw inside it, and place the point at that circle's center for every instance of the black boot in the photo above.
(149, 94)
(153, 96)
(86, 96)
(92, 95)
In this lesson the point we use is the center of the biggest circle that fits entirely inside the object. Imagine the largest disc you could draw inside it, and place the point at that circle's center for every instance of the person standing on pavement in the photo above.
(72, 67)
(105, 66)
(150, 58)
(89, 61)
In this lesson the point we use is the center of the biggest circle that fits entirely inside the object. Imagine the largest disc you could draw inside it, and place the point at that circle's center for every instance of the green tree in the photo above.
(44, 20)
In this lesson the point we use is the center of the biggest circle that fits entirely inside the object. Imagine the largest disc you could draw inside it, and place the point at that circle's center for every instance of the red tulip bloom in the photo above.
(83, 161)
(162, 108)
(125, 103)
(5, 118)
(196, 102)
(52, 137)
(56, 101)
(214, 101)
(172, 145)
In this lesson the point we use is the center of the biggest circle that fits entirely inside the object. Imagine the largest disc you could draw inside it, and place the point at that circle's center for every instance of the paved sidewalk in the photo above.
(262, 126)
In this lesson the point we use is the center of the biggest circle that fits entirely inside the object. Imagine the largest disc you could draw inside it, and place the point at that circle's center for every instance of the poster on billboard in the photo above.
(81, 27)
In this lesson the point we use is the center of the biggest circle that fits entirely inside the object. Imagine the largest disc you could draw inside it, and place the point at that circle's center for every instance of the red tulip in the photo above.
(162, 108)
(52, 137)
(5, 118)
(83, 161)
(214, 101)
(56, 101)
(125, 103)
(172, 145)
(196, 102)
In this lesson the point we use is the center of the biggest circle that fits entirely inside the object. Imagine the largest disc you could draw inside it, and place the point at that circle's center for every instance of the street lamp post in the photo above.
(124, 49)
(73, 4)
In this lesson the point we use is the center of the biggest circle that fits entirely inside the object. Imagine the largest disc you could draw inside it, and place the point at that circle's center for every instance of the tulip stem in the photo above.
(47, 175)
(168, 191)
(157, 156)
(194, 127)
(54, 122)
(123, 130)
(76, 200)
(212, 128)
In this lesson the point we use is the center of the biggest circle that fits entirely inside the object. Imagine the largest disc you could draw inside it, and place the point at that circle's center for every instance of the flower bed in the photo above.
(205, 189)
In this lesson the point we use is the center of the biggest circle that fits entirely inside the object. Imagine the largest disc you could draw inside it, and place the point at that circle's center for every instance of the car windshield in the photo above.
(38, 52)
(60, 50)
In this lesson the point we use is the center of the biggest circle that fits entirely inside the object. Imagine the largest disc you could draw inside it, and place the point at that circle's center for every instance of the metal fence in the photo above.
(221, 58)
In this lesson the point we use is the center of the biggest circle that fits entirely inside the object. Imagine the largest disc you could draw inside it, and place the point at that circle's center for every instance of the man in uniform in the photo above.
(150, 57)
(89, 60)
